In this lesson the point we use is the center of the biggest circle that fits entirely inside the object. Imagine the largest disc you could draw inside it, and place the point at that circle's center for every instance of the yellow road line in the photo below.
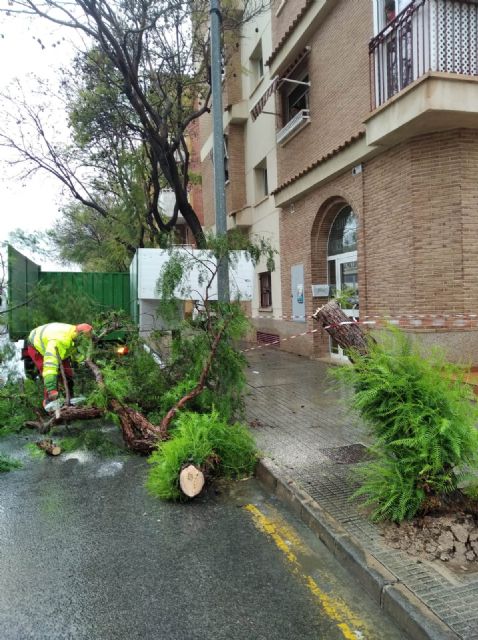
(285, 538)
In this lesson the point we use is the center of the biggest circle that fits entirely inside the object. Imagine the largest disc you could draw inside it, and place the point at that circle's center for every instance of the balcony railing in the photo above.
(293, 126)
(428, 35)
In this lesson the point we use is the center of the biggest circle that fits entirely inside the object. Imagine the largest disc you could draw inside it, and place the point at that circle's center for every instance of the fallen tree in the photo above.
(139, 434)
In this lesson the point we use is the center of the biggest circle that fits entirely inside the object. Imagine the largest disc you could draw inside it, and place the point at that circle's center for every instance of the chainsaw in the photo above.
(52, 406)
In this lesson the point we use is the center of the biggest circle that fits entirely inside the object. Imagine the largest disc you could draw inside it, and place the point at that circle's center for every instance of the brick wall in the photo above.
(208, 192)
(195, 188)
(233, 75)
(236, 188)
(304, 235)
(339, 94)
(281, 22)
(417, 206)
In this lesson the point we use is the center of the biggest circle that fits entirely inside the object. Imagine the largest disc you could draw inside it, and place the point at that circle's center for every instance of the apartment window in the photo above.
(256, 64)
(265, 289)
(385, 11)
(295, 95)
(261, 180)
(390, 11)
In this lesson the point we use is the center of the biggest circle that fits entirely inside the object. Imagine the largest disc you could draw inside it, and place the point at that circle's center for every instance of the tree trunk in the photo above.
(138, 433)
(191, 480)
(48, 446)
(341, 328)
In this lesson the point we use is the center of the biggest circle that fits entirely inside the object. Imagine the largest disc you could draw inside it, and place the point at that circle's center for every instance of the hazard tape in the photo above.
(396, 318)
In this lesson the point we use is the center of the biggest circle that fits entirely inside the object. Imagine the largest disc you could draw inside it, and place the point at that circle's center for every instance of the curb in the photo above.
(392, 595)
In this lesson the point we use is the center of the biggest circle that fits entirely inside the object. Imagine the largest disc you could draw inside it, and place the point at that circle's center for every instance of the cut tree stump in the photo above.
(347, 333)
(191, 480)
(48, 446)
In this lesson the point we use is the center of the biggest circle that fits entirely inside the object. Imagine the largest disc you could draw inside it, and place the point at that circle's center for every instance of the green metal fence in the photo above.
(108, 290)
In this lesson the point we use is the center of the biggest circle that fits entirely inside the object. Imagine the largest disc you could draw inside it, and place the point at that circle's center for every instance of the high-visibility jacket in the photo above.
(49, 338)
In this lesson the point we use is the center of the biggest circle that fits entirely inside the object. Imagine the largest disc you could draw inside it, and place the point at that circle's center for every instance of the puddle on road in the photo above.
(81, 456)
(109, 469)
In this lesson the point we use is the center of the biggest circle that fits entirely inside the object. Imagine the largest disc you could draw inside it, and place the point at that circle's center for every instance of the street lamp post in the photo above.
(218, 147)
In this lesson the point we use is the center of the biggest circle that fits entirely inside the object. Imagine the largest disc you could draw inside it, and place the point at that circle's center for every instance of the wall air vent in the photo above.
(267, 338)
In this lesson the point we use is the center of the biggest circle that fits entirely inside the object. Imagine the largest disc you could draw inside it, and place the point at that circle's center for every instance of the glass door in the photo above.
(343, 277)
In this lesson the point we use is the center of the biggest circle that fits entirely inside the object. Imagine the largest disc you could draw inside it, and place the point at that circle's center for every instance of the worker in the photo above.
(47, 346)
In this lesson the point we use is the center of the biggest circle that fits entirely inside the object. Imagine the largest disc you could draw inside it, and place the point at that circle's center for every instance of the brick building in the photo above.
(372, 177)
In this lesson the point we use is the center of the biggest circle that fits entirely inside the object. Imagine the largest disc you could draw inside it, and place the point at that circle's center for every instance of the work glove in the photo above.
(52, 395)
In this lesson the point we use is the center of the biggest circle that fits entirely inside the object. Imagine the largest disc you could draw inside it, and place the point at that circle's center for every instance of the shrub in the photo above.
(423, 422)
(207, 441)
(7, 463)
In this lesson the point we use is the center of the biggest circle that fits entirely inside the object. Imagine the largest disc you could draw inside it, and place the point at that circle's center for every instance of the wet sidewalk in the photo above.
(310, 442)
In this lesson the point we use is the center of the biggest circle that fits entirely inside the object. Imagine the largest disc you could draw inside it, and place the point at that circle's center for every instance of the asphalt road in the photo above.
(86, 553)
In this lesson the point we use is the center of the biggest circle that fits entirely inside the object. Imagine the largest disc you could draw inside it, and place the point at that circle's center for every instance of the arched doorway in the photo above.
(343, 267)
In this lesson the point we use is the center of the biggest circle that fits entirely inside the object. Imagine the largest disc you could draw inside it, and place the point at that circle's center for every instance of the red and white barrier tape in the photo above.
(436, 320)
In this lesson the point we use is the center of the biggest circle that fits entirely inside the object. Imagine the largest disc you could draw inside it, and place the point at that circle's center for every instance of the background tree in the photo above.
(150, 64)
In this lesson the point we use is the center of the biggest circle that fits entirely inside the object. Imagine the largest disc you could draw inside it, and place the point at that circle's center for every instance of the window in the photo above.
(265, 289)
(385, 11)
(261, 181)
(295, 95)
(343, 234)
(256, 64)
(390, 11)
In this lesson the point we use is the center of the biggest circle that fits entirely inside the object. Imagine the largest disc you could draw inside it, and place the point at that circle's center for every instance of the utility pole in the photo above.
(218, 147)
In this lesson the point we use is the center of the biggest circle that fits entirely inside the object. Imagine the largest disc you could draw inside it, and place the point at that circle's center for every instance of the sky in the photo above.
(31, 205)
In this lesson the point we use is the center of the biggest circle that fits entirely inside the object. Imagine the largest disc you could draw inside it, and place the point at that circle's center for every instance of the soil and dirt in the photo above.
(448, 533)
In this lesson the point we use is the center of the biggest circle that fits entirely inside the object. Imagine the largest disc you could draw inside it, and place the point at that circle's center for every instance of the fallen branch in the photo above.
(65, 414)
(200, 385)
(138, 433)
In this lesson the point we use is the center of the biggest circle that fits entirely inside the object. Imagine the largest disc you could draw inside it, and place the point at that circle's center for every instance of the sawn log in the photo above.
(48, 446)
(347, 333)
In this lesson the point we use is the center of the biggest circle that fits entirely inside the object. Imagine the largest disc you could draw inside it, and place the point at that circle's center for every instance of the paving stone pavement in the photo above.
(300, 414)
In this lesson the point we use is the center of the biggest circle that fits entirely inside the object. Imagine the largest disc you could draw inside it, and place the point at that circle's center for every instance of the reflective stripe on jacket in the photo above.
(50, 337)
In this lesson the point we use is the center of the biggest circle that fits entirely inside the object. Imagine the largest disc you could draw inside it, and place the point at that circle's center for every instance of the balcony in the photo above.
(293, 127)
(424, 71)
(428, 35)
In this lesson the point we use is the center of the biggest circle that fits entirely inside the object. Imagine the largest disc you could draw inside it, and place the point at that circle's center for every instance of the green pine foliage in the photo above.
(423, 422)
(18, 399)
(226, 378)
(205, 440)
(7, 463)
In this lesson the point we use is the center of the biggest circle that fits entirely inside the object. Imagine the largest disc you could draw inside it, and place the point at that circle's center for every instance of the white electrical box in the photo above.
(320, 290)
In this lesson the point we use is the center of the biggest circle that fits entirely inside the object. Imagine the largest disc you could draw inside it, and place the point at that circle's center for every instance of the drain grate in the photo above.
(350, 454)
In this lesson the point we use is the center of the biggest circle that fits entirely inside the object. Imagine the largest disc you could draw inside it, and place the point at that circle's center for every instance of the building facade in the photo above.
(373, 105)
(251, 164)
